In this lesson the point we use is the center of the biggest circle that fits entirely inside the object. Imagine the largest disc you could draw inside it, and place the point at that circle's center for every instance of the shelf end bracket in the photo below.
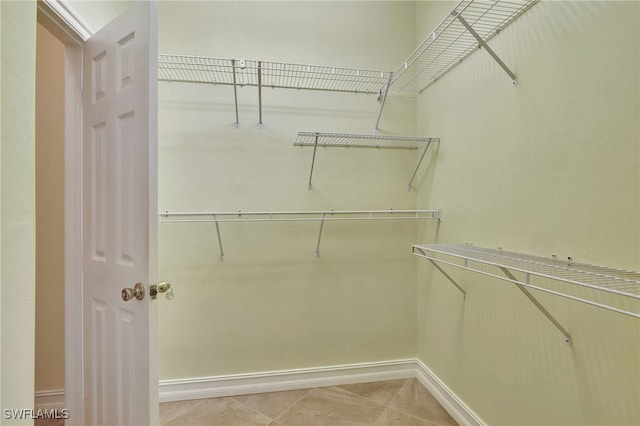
(567, 336)
(384, 99)
(415, 172)
(442, 271)
(235, 94)
(313, 159)
(493, 54)
(221, 257)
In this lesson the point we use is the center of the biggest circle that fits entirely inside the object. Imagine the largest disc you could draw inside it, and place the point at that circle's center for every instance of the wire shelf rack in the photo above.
(453, 40)
(249, 72)
(600, 278)
(351, 140)
(294, 216)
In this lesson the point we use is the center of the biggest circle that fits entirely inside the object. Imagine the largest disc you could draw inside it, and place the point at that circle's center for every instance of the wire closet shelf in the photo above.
(249, 72)
(351, 140)
(599, 278)
(295, 216)
(468, 26)
(298, 216)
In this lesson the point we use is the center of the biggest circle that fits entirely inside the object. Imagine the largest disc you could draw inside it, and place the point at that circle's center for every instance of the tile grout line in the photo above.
(175, 416)
(249, 408)
(290, 406)
(388, 406)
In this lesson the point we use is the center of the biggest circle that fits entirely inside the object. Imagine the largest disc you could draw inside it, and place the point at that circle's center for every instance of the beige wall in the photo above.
(17, 215)
(550, 166)
(271, 304)
(50, 90)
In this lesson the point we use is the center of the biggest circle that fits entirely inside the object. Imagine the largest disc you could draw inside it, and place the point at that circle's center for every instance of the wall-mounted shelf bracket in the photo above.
(567, 336)
(519, 269)
(415, 172)
(294, 216)
(442, 271)
(486, 47)
(235, 91)
(349, 140)
(383, 98)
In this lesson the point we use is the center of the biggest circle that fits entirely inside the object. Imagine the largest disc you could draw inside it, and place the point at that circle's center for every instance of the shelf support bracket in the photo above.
(415, 172)
(215, 217)
(384, 98)
(493, 54)
(443, 272)
(313, 160)
(567, 336)
(464, 293)
(260, 125)
(235, 93)
(320, 235)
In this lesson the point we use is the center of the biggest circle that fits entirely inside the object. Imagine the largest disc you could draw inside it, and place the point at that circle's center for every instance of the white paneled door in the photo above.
(119, 219)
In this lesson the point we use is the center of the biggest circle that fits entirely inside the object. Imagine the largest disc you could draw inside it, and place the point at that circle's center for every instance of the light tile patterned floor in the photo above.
(390, 403)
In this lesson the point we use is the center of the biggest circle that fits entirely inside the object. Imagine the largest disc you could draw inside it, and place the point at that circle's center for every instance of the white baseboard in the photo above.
(273, 381)
(449, 401)
(49, 400)
(304, 378)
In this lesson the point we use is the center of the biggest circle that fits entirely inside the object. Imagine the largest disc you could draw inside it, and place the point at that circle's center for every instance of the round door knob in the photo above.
(129, 293)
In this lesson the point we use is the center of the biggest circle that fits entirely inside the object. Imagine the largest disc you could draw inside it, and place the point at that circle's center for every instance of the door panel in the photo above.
(119, 219)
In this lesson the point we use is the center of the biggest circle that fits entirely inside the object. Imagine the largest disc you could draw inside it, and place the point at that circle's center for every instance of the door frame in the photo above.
(72, 31)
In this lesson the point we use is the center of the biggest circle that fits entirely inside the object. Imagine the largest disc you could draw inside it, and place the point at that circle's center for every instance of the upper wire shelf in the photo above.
(468, 26)
(603, 279)
(248, 72)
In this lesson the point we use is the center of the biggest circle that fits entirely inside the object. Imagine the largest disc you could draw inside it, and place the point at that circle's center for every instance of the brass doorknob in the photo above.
(163, 287)
(129, 293)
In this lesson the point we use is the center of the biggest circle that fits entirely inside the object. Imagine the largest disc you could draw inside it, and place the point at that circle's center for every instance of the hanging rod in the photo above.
(599, 278)
(261, 74)
(294, 216)
(350, 140)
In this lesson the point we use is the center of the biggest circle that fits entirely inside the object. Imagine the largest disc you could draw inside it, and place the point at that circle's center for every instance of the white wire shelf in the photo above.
(471, 24)
(281, 75)
(249, 72)
(351, 140)
(519, 268)
(294, 216)
(298, 216)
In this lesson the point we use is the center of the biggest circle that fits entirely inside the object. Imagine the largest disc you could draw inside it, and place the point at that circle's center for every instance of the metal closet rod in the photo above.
(296, 216)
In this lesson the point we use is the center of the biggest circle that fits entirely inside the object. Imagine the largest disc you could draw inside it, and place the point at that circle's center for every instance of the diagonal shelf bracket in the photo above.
(567, 336)
(486, 47)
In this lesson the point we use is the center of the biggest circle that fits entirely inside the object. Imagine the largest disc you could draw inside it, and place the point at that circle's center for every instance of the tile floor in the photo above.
(395, 402)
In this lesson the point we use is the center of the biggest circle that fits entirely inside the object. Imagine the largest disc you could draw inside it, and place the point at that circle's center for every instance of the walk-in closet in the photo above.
(444, 195)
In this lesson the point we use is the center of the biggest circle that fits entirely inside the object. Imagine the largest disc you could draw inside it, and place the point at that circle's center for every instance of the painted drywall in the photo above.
(272, 304)
(17, 162)
(98, 13)
(548, 167)
(50, 96)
